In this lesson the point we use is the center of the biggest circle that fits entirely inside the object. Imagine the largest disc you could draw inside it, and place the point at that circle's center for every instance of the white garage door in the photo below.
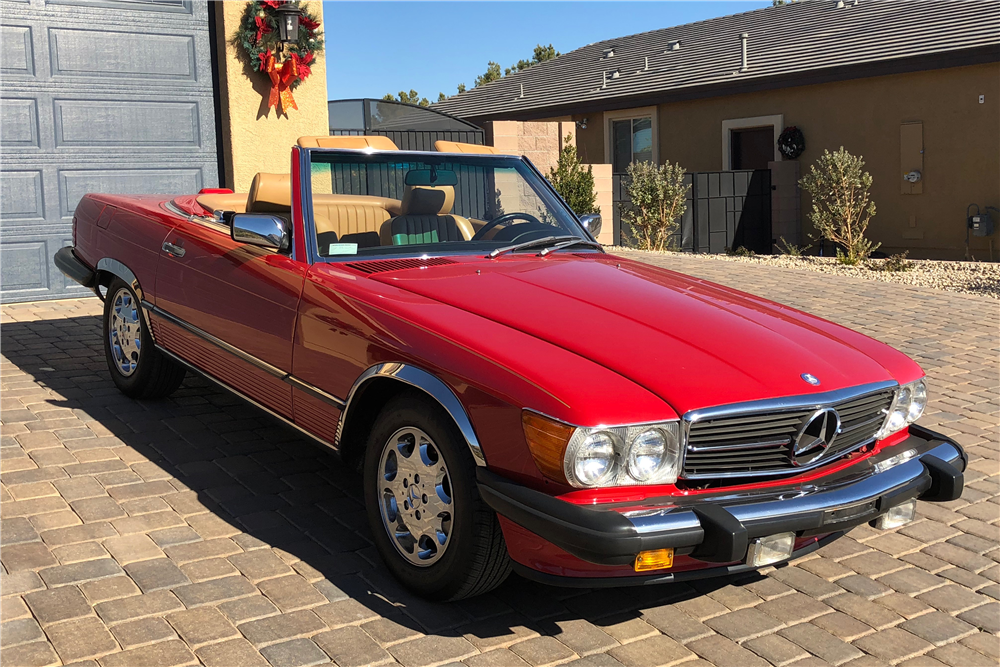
(98, 96)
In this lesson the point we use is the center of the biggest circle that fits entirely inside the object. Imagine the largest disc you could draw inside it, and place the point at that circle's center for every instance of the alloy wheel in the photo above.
(415, 496)
(125, 332)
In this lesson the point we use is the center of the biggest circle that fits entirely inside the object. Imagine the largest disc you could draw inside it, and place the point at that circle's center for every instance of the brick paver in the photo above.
(197, 529)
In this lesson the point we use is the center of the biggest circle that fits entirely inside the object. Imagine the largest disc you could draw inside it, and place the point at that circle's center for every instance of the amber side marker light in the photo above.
(658, 559)
(547, 440)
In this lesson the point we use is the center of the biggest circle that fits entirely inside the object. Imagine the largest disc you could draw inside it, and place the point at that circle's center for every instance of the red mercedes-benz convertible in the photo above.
(515, 397)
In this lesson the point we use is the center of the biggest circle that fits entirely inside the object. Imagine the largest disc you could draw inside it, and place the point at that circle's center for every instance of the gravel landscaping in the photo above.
(980, 278)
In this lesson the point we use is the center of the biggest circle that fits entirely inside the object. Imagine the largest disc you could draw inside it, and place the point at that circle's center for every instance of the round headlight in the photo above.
(646, 454)
(918, 401)
(594, 458)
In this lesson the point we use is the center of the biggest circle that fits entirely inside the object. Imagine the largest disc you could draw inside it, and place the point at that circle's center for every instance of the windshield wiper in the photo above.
(529, 244)
(566, 244)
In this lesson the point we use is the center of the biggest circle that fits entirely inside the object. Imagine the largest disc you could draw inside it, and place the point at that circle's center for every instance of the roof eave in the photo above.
(940, 60)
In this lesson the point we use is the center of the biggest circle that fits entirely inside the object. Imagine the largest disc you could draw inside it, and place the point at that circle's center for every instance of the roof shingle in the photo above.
(798, 38)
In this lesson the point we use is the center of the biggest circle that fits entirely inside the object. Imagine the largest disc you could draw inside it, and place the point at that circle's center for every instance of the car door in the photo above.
(230, 309)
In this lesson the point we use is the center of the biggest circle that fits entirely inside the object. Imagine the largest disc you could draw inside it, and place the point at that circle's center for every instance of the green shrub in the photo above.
(655, 203)
(573, 182)
(894, 263)
(842, 207)
(790, 249)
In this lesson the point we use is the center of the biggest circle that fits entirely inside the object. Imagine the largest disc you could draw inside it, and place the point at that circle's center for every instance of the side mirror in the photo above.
(260, 229)
(592, 223)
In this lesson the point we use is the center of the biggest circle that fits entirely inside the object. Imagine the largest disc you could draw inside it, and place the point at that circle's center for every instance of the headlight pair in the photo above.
(604, 456)
(907, 407)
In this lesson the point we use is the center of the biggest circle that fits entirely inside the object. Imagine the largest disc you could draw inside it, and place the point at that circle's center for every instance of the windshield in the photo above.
(415, 203)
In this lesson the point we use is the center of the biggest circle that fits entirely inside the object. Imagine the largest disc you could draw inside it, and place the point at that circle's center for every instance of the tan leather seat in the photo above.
(351, 219)
(426, 218)
(224, 202)
(377, 142)
(442, 146)
(270, 193)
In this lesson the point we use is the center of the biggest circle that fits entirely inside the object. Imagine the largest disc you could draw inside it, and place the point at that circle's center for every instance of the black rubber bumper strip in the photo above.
(598, 536)
(73, 268)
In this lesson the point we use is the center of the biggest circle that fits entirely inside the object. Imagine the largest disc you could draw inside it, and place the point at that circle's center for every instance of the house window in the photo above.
(631, 141)
(630, 135)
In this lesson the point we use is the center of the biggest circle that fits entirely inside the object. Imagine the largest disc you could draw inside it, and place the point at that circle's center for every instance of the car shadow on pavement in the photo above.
(225, 472)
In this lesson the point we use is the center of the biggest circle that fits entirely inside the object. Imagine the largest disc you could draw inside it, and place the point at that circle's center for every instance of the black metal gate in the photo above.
(409, 126)
(725, 210)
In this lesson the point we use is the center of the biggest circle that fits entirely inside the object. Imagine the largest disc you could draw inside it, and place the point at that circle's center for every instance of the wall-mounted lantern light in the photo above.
(288, 22)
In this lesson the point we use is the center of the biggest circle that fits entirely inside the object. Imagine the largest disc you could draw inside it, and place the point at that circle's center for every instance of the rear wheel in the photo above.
(434, 532)
(137, 367)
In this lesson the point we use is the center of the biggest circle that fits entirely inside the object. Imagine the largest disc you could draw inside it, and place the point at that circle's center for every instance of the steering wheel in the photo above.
(507, 217)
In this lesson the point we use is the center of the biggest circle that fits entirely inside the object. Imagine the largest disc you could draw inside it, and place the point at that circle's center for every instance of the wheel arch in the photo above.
(380, 383)
(108, 268)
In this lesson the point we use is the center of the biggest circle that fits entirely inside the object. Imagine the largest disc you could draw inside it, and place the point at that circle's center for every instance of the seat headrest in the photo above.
(377, 142)
(270, 193)
(427, 199)
(442, 146)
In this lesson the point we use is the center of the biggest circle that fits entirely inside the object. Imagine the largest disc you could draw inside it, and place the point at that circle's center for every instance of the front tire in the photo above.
(432, 529)
(137, 368)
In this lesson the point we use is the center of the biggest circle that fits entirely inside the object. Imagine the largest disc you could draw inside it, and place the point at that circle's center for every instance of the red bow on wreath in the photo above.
(282, 76)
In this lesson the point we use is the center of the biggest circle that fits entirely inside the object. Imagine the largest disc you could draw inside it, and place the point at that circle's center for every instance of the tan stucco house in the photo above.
(911, 85)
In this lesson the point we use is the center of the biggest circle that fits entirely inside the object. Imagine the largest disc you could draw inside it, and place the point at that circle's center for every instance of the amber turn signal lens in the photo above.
(547, 440)
(658, 559)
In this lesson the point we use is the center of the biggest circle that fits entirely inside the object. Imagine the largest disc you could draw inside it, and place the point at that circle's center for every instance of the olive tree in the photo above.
(842, 206)
(656, 197)
(573, 182)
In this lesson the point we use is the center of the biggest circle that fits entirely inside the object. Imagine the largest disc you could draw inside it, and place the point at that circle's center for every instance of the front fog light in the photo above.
(771, 549)
(897, 516)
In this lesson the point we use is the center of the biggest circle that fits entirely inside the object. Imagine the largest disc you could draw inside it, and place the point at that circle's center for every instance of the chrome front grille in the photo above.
(759, 442)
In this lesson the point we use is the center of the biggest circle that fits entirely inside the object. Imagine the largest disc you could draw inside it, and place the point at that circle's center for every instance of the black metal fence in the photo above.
(410, 127)
(725, 210)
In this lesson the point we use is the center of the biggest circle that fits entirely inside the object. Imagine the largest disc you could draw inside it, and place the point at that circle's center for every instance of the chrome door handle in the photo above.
(173, 250)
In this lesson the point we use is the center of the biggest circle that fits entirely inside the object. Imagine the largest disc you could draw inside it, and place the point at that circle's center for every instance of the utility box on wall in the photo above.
(911, 158)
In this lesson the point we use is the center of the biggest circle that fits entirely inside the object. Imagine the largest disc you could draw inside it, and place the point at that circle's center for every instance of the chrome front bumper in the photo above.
(718, 527)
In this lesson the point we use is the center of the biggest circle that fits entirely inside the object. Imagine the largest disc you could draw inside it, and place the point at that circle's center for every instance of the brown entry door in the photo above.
(752, 148)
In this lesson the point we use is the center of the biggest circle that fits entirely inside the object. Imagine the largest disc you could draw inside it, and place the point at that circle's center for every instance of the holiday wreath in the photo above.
(791, 143)
(257, 38)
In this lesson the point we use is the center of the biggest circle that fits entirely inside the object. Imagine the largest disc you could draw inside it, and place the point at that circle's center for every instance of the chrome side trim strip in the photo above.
(314, 391)
(800, 402)
(218, 342)
(246, 398)
(310, 389)
(421, 379)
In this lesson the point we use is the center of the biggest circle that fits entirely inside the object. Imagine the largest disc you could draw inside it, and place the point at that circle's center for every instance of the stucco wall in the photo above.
(256, 138)
(961, 142)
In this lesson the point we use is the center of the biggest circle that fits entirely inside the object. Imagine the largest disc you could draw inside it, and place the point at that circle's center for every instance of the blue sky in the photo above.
(433, 46)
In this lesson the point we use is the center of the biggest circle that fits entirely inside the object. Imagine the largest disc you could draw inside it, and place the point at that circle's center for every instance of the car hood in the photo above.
(689, 341)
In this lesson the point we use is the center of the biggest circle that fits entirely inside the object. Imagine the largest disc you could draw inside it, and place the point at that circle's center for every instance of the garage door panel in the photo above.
(22, 196)
(17, 50)
(118, 181)
(19, 122)
(107, 53)
(99, 96)
(94, 123)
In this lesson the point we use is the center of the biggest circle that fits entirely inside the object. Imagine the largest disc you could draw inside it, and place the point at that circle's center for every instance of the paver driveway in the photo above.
(197, 530)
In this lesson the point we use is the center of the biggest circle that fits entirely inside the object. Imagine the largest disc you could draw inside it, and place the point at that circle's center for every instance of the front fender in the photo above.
(429, 384)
